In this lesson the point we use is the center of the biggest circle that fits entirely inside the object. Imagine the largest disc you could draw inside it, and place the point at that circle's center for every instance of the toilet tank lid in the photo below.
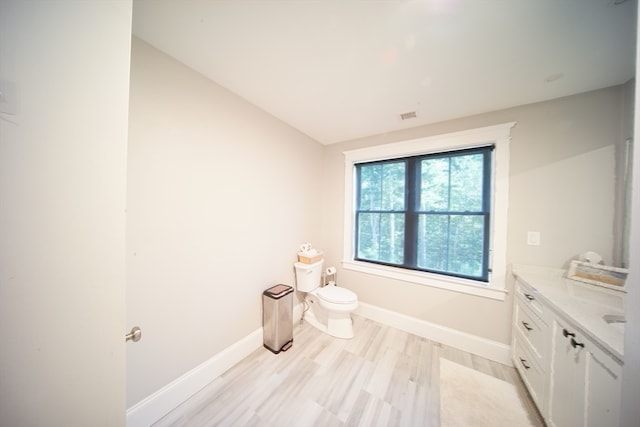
(305, 266)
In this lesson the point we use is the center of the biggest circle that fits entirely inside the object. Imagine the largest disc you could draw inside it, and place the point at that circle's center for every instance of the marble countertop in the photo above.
(582, 304)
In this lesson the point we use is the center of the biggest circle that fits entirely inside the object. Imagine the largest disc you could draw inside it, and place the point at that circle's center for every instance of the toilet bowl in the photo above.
(335, 298)
(329, 307)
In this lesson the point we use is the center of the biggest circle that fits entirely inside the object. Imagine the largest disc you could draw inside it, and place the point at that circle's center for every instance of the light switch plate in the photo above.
(533, 238)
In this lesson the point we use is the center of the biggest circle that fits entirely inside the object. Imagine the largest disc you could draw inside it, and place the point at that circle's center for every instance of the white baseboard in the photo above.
(483, 347)
(157, 405)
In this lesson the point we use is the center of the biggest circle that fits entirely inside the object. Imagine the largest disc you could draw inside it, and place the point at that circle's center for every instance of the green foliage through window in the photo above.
(429, 213)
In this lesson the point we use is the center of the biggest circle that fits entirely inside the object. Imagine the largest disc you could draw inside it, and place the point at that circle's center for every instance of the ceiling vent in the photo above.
(409, 115)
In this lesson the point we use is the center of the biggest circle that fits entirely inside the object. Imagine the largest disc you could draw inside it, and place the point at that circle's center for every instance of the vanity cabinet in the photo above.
(572, 380)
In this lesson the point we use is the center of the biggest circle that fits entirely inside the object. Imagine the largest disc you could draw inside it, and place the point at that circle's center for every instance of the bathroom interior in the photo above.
(558, 147)
(214, 193)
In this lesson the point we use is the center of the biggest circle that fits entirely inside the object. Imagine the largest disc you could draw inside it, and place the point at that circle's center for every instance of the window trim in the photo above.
(500, 136)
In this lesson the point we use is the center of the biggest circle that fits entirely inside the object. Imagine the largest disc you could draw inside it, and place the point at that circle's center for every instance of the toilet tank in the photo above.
(308, 276)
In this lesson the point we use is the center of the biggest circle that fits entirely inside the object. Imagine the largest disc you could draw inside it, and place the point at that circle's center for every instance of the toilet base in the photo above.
(336, 324)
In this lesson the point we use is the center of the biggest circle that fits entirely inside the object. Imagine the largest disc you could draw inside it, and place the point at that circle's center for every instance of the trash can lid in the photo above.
(278, 291)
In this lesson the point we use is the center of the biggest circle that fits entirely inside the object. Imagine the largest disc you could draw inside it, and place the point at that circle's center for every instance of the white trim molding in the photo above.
(500, 136)
(489, 349)
(455, 284)
(152, 408)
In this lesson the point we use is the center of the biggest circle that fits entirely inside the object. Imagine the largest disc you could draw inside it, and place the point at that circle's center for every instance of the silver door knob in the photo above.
(134, 335)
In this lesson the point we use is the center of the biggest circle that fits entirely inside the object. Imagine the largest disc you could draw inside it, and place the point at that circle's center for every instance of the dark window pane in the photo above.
(434, 185)
(433, 236)
(382, 187)
(451, 243)
(451, 183)
(381, 237)
(466, 240)
(466, 183)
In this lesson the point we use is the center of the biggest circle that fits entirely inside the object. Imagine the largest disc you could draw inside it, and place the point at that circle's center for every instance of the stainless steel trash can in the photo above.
(277, 318)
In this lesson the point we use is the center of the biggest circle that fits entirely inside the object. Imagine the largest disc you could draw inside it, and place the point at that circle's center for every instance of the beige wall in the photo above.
(62, 212)
(562, 185)
(220, 196)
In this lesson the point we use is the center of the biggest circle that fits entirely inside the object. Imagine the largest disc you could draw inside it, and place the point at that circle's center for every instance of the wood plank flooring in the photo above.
(382, 377)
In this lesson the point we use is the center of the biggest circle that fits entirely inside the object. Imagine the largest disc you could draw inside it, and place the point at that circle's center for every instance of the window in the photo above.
(431, 211)
(428, 213)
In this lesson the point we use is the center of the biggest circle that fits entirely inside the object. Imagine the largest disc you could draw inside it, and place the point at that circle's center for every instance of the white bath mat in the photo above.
(469, 398)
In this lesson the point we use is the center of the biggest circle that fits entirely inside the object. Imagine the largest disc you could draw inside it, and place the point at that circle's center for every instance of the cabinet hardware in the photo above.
(524, 364)
(526, 326)
(575, 343)
(566, 333)
(134, 335)
(529, 297)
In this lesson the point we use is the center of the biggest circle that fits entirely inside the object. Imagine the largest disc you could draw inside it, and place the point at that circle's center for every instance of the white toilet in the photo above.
(329, 307)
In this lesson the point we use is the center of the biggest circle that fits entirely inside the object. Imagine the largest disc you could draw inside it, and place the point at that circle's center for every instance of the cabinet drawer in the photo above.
(531, 373)
(529, 298)
(536, 332)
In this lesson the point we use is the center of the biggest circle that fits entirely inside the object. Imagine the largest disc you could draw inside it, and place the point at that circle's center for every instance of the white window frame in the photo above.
(500, 136)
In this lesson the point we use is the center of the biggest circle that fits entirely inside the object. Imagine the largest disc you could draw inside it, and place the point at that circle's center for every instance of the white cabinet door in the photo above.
(585, 382)
(604, 390)
(567, 395)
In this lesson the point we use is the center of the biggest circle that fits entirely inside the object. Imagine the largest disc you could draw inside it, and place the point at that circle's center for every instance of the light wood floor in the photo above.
(382, 377)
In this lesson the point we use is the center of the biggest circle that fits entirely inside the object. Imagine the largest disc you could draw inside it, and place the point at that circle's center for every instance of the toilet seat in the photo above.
(337, 295)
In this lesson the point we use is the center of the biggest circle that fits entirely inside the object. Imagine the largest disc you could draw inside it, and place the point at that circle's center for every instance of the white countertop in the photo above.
(580, 303)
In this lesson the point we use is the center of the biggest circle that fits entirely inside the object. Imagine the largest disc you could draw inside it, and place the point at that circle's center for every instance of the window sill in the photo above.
(455, 284)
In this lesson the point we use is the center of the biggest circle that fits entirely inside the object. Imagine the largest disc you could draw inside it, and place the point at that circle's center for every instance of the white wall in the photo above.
(220, 196)
(630, 414)
(62, 212)
(559, 150)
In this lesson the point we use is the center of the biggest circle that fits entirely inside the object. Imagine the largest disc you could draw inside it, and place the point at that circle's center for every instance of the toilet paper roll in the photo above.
(331, 271)
(305, 247)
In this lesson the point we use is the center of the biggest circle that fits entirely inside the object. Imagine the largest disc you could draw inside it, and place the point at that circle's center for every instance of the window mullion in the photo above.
(448, 234)
(412, 190)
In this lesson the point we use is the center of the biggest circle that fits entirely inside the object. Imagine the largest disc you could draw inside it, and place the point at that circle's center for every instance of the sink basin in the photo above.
(616, 321)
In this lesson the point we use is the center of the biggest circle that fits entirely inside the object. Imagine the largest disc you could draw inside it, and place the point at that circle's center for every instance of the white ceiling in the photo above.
(343, 69)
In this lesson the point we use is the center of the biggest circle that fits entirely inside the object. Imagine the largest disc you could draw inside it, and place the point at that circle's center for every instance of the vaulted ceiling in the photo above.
(344, 69)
